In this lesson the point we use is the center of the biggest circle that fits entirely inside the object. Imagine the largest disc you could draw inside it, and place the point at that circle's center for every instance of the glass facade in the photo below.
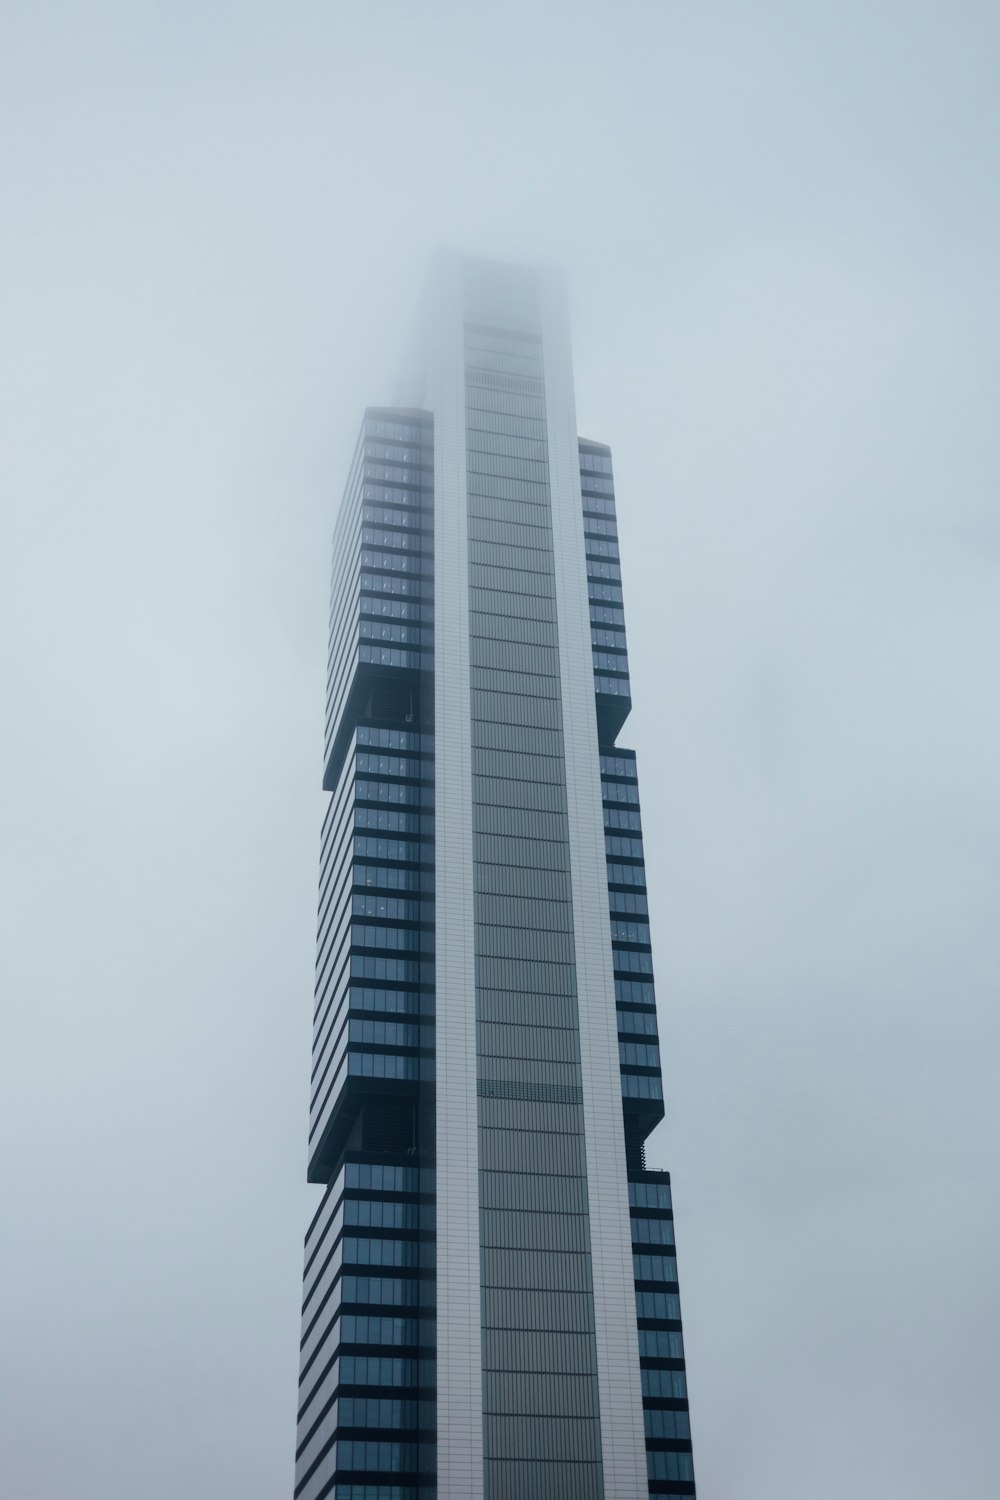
(382, 1326)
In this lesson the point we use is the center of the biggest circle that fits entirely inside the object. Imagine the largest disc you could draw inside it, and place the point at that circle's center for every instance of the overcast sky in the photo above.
(780, 225)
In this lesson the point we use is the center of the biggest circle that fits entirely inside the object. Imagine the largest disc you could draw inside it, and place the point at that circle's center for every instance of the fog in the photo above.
(780, 229)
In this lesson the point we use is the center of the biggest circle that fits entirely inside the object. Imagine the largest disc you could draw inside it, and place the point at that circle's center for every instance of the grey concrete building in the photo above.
(490, 1304)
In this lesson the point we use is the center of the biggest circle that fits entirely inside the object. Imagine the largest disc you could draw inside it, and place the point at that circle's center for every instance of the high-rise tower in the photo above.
(490, 1308)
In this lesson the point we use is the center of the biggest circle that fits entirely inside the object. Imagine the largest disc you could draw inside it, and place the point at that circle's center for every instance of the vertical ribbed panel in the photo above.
(620, 1393)
(525, 976)
(460, 1437)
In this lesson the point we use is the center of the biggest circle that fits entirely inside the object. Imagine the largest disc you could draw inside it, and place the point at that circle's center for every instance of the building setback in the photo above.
(490, 1303)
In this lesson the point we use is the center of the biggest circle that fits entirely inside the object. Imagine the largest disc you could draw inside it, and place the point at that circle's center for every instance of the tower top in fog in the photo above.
(490, 1305)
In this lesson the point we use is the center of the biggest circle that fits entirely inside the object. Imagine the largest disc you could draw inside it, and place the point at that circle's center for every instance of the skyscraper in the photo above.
(490, 1305)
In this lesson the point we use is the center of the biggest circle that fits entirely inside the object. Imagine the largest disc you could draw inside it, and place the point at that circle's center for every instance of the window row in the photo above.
(396, 849)
(378, 607)
(654, 1268)
(390, 1033)
(389, 1065)
(598, 505)
(369, 1369)
(392, 822)
(380, 1411)
(402, 970)
(388, 1179)
(669, 1466)
(634, 902)
(386, 1252)
(394, 793)
(394, 908)
(410, 517)
(664, 1385)
(641, 1086)
(629, 932)
(406, 634)
(652, 1231)
(377, 472)
(391, 583)
(379, 764)
(627, 962)
(657, 1343)
(617, 846)
(418, 492)
(649, 1195)
(385, 1458)
(637, 1055)
(621, 818)
(598, 463)
(603, 593)
(387, 1291)
(391, 878)
(397, 562)
(402, 432)
(664, 1306)
(606, 614)
(667, 1424)
(356, 1328)
(398, 540)
(608, 635)
(637, 1023)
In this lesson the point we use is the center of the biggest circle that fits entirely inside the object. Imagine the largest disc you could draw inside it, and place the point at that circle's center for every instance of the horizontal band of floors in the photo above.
(636, 1023)
(402, 1376)
(342, 993)
(390, 536)
(613, 661)
(605, 613)
(363, 1333)
(602, 548)
(337, 1300)
(344, 1240)
(365, 667)
(594, 456)
(416, 452)
(609, 637)
(625, 850)
(350, 1058)
(390, 1482)
(359, 1410)
(603, 572)
(416, 1423)
(362, 1077)
(627, 931)
(597, 530)
(403, 424)
(335, 996)
(598, 508)
(595, 487)
(400, 1236)
(346, 843)
(626, 905)
(376, 590)
(352, 1471)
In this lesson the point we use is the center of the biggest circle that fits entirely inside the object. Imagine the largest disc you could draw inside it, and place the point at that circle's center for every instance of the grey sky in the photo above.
(781, 227)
